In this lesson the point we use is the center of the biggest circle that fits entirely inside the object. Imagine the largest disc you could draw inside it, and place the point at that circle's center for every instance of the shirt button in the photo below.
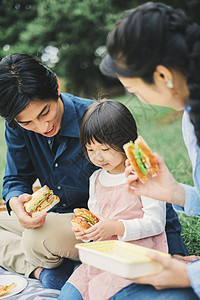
(64, 205)
(49, 142)
(56, 165)
(59, 187)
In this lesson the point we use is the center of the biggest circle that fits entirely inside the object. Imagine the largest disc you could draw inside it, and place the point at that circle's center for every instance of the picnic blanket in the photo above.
(33, 291)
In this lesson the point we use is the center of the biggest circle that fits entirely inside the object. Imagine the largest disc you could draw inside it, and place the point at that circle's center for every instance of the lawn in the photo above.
(161, 128)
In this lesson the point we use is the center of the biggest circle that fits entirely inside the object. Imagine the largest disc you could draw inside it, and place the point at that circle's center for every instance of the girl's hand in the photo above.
(104, 229)
(26, 221)
(173, 275)
(162, 187)
(80, 235)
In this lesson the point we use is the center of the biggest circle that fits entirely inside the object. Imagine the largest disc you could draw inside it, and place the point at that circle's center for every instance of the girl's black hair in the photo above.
(22, 80)
(156, 34)
(108, 122)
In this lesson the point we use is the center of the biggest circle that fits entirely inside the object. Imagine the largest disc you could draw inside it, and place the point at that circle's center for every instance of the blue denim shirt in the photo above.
(192, 199)
(30, 156)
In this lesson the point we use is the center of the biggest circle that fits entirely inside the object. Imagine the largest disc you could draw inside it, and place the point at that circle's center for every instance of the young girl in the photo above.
(105, 127)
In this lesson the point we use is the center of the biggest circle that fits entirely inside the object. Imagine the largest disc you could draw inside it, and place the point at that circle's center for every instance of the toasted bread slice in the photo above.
(129, 153)
(149, 156)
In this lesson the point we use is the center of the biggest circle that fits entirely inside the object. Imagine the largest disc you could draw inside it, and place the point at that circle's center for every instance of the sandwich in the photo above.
(2, 205)
(83, 219)
(6, 288)
(42, 200)
(141, 158)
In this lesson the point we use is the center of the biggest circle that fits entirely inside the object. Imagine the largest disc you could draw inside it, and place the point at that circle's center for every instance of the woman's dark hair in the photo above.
(22, 80)
(156, 34)
(108, 122)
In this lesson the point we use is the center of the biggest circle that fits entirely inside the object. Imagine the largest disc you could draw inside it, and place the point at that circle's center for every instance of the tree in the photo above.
(78, 29)
(69, 36)
(14, 15)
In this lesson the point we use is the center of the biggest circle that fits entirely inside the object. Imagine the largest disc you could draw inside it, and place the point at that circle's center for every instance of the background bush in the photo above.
(69, 36)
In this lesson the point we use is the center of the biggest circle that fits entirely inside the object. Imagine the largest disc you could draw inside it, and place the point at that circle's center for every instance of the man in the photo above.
(42, 135)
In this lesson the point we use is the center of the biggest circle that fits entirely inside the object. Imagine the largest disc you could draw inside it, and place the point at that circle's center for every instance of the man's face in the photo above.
(42, 117)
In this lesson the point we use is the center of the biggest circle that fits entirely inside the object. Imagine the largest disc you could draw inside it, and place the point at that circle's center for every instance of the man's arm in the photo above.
(173, 230)
(18, 179)
(19, 172)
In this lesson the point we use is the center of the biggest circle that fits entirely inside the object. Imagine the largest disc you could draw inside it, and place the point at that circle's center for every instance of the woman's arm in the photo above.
(173, 275)
(163, 187)
(192, 201)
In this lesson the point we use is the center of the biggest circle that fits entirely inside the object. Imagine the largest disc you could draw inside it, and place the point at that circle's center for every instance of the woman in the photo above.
(155, 52)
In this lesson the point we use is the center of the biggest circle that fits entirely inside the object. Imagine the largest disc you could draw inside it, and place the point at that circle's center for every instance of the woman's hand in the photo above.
(162, 187)
(186, 259)
(101, 231)
(26, 221)
(173, 275)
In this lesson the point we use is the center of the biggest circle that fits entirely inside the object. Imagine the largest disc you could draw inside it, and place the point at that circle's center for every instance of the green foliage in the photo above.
(14, 15)
(78, 29)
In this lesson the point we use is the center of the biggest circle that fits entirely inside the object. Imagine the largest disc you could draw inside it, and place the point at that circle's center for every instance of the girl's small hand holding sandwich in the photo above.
(87, 226)
(104, 229)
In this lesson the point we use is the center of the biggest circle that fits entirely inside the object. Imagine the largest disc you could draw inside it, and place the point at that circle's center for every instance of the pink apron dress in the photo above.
(115, 203)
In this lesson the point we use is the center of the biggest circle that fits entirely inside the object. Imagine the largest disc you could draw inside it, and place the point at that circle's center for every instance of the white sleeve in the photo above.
(92, 201)
(152, 223)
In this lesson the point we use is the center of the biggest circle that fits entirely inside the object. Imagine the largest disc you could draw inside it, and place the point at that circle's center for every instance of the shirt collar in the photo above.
(70, 126)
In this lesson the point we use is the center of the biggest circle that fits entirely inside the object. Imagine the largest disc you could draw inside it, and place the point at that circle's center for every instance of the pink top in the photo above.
(115, 203)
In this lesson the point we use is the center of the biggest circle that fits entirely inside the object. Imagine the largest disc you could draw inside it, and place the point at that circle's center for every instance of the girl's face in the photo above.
(158, 93)
(43, 117)
(105, 157)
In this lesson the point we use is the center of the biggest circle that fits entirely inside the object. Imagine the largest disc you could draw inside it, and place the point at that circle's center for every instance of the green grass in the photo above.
(190, 232)
(161, 128)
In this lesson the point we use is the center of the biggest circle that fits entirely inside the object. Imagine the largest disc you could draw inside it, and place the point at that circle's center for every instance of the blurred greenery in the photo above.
(69, 36)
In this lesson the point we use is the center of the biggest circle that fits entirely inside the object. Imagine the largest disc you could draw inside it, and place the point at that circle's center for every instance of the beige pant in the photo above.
(23, 250)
